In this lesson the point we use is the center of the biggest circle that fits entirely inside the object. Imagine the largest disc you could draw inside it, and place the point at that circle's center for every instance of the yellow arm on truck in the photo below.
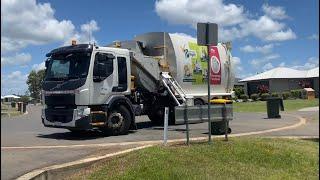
(220, 101)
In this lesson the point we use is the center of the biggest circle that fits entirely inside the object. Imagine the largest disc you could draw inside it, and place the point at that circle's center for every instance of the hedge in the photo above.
(254, 97)
(285, 95)
(244, 97)
(264, 96)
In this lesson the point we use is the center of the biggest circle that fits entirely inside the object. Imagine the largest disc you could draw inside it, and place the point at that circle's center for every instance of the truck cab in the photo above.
(85, 84)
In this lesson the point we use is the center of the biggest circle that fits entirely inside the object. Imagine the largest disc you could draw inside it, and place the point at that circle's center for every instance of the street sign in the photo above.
(207, 34)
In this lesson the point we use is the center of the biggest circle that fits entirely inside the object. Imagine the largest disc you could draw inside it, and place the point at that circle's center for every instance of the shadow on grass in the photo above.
(311, 139)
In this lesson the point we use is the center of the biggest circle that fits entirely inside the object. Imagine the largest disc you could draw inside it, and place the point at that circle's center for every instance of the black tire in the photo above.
(156, 115)
(118, 121)
(198, 102)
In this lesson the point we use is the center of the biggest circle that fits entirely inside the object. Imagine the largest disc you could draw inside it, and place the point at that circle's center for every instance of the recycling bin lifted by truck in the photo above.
(104, 87)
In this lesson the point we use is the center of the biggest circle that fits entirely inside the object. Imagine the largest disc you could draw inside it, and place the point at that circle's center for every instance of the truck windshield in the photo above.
(68, 66)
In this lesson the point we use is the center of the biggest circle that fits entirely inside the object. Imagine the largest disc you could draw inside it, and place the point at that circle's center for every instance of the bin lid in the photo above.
(220, 101)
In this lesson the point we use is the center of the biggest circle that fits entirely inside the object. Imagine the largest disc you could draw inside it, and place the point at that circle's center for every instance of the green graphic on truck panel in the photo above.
(198, 63)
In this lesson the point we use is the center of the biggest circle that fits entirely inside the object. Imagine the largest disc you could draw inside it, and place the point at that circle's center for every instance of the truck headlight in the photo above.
(83, 111)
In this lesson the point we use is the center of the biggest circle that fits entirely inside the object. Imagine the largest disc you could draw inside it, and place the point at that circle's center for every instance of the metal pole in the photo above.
(186, 122)
(209, 78)
(226, 122)
(165, 128)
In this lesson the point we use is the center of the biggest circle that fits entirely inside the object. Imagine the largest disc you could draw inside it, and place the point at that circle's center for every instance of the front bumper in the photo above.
(80, 119)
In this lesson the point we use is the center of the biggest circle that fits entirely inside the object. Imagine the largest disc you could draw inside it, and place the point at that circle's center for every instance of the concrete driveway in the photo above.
(26, 144)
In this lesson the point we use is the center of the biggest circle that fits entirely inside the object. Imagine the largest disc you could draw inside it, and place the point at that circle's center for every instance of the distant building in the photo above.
(9, 98)
(283, 79)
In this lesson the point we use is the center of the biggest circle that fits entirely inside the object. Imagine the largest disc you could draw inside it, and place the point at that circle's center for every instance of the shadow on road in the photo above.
(144, 125)
(87, 135)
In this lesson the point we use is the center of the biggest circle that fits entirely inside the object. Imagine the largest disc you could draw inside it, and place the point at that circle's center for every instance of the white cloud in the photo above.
(90, 27)
(267, 29)
(191, 12)
(28, 22)
(18, 59)
(275, 12)
(311, 63)
(313, 37)
(184, 35)
(257, 63)
(262, 49)
(281, 35)
(85, 35)
(38, 67)
(13, 83)
(282, 64)
(267, 67)
(236, 62)
(233, 21)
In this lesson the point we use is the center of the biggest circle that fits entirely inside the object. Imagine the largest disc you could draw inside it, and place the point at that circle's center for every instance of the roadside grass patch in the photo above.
(261, 106)
(239, 158)
(8, 111)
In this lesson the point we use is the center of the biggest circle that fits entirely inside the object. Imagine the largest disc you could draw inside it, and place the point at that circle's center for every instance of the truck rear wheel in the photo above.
(118, 121)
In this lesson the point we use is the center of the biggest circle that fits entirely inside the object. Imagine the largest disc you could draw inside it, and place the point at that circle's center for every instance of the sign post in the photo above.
(207, 35)
(165, 128)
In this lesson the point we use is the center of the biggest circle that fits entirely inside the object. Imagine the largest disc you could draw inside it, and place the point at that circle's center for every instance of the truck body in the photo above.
(104, 87)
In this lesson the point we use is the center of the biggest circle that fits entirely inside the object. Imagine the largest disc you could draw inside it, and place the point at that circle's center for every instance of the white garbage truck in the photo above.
(104, 87)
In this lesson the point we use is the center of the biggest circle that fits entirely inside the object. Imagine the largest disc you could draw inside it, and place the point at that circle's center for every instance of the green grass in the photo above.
(7, 110)
(239, 158)
(260, 106)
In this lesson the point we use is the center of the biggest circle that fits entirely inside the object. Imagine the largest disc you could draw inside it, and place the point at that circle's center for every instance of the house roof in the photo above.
(12, 96)
(283, 73)
(313, 72)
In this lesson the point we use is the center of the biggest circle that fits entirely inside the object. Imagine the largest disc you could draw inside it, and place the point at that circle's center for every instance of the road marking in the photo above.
(300, 123)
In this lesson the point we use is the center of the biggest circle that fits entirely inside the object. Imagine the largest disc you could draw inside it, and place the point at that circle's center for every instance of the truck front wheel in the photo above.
(118, 121)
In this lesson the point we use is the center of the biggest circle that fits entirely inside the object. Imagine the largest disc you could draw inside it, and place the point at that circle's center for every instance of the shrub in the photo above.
(244, 97)
(285, 95)
(254, 97)
(238, 91)
(295, 93)
(303, 94)
(264, 96)
(263, 89)
(275, 95)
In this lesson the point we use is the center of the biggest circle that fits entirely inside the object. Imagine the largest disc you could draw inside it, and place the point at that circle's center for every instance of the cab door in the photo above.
(104, 77)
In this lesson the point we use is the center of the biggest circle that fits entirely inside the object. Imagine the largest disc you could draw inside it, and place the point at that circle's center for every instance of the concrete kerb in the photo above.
(55, 171)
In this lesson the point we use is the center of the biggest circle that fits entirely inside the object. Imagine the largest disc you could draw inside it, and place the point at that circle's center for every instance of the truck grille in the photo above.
(59, 115)
(60, 99)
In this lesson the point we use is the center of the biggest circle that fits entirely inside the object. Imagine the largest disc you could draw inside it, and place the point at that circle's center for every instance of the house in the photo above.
(10, 98)
(282, 79)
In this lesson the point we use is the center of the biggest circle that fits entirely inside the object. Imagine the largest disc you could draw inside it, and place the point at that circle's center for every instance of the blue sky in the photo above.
(264, 34)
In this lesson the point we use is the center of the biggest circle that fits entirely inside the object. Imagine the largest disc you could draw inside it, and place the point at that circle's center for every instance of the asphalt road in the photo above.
(27, 131)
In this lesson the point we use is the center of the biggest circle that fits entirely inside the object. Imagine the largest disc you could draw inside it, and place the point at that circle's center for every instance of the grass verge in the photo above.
(239, 158)
(261, 106)
(8, 111)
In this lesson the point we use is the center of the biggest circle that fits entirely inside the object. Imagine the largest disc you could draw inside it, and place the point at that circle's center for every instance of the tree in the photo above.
(34, 82)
